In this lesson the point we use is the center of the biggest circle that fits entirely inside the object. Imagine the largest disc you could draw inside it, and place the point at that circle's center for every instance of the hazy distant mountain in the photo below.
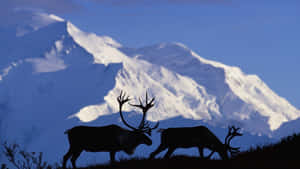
(54, 76)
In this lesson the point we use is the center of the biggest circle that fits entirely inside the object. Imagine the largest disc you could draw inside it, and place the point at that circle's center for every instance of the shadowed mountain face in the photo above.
(40, 90)
(57, 76)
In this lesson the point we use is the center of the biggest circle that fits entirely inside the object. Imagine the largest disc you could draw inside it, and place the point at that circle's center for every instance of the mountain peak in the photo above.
(55, 18)
(103, 48)
(171, 45)
(83, 36)
(34, 21)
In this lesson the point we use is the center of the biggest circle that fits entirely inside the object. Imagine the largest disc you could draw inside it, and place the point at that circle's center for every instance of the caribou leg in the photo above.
(201, 153)
(211, 153)
(112, 156)
(169, 152)
(74, 157)
(160, 148)
(66, 157)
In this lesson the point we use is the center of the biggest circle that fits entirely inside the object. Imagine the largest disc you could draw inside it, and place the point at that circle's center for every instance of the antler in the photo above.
(121, 100)
(232, 132)
(145, 126)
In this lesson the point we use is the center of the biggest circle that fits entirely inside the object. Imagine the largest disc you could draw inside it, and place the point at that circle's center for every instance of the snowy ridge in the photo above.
(102, 48)
(240, 97)
(252, 90)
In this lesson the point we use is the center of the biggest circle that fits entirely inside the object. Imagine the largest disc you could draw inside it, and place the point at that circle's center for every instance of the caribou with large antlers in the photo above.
(200, 137)
(111, 138)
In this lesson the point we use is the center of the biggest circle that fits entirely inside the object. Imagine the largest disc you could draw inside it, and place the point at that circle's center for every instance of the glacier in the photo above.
(54, 76)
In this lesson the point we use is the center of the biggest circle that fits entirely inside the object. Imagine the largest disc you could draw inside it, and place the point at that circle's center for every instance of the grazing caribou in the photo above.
(111, 138)
(200, 137)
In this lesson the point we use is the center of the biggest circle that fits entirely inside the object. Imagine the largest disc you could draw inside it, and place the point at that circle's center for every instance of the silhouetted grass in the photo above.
(185, 162)
(286, 149)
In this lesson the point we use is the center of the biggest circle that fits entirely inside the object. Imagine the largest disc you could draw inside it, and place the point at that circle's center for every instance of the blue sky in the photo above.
(260, 36)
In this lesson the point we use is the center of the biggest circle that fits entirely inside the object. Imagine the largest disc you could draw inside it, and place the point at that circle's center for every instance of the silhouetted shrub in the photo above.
(3, 166)
(22, 159)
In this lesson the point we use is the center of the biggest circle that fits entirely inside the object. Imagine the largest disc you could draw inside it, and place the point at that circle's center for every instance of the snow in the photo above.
(57, 76)
(52, 61)
(170, 88)
(238, 95)
(34, 21)
(104, 49)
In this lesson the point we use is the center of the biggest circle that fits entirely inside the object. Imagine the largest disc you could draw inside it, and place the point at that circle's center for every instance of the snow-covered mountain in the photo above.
(187, 85)
(54, 76)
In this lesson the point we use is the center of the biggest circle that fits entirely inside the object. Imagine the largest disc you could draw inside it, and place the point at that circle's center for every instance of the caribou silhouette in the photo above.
(200, 137)
(111, 138)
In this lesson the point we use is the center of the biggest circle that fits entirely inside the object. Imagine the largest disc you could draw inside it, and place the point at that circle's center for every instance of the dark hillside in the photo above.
(184, 162)
(286, 149)
(284, 154)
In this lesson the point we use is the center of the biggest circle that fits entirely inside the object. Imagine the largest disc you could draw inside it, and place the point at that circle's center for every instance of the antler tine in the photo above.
(145, 109)
(138, 105)
(148, 103)
(123, 99)
(228, 135)
(232, 132)
(234, 150)
(146, 97)
(122, 96)
(236, 131)
(141, 102)
(127, 99)
(156, 125)
(145, 126)
(119, 97)
(151, 102)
